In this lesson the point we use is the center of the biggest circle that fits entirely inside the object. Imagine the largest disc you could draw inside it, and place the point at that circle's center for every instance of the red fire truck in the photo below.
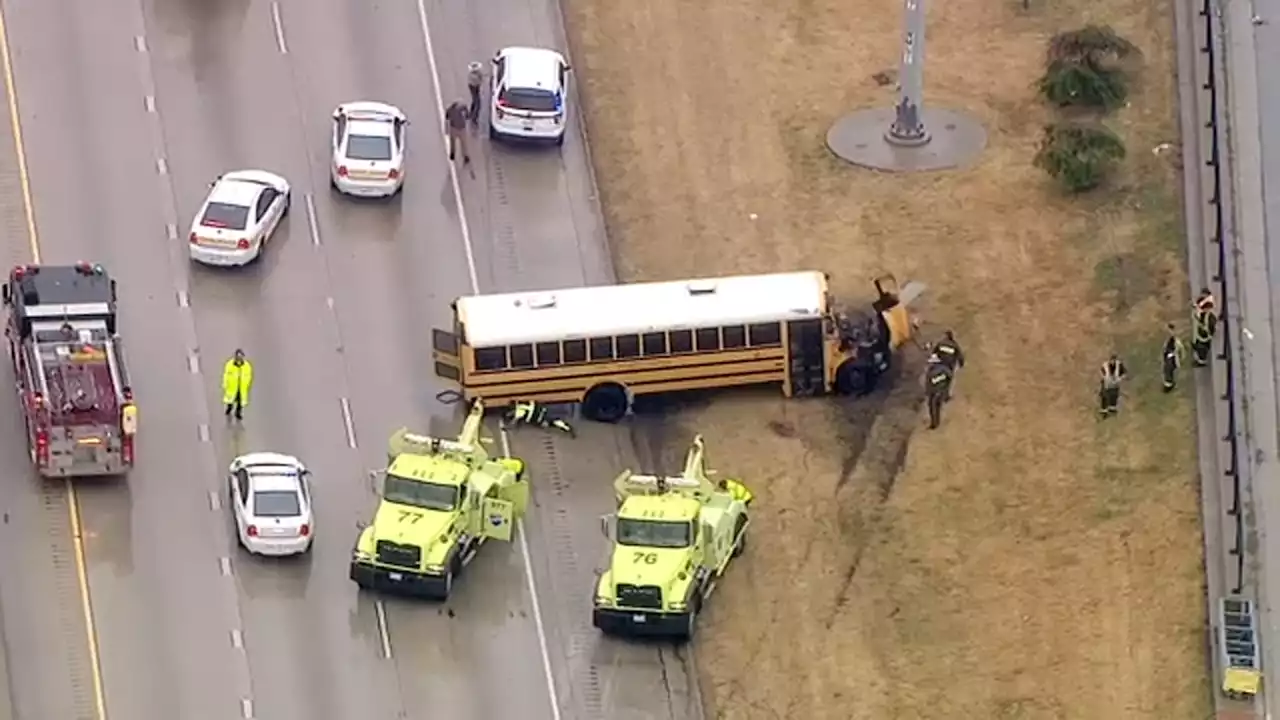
(72, 384)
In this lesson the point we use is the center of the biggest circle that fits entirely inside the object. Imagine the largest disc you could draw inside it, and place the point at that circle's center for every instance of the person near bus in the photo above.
(528, 412)
(736, 490)
(237, 380)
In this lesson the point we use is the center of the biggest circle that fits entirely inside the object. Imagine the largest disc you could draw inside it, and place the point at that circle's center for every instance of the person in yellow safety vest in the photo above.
(237, 379)
(1204, 326)
(736, 490)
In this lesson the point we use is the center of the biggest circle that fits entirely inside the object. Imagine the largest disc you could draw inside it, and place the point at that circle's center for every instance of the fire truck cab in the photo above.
(72, 384)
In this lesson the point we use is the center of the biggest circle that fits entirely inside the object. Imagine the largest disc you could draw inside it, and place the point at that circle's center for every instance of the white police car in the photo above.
(529, 91)
(271, 499)
(368, 149)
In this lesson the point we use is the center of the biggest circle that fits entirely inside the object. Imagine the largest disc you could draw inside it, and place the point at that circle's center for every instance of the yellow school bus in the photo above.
(603, 346)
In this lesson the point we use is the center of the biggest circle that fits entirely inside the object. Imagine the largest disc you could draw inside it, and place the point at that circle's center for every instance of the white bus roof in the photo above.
(550, 315)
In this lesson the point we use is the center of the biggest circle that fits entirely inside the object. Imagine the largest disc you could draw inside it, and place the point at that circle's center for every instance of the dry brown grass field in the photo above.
(1025, 560)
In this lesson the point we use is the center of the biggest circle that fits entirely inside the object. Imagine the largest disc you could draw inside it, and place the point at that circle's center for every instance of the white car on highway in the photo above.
(530, 88)
(238, 217)
(368, 149)
(271, 499)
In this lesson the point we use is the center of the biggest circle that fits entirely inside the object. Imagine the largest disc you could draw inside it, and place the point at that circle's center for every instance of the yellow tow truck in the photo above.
(440, 501)
(673, 538)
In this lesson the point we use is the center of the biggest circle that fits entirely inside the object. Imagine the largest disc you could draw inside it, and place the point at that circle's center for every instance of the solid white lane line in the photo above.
(184, 300)
(246, 708)
(161, 166)
(150, 103)
(171, 230)
(139, 43)
(224, 566)
(203, 432)
(444, 133)
(385, 637)
(279, 28)
(237, 639)
(347, 422)
(215, 501)
(469, 250)
(193, 363)
(313, 225)
(543, 645)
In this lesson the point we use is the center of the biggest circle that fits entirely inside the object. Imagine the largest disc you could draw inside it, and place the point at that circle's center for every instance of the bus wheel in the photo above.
(605, 403)
(851, 379)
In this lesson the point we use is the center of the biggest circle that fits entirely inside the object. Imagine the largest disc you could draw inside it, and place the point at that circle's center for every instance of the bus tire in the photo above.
(854, 379)
(605, 403)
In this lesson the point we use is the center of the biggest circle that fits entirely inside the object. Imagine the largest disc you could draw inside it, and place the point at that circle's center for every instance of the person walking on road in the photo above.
(475, 77)
(1171, 356)
(1204, 325)
(1113, 373)
(937, 388)
(237, 379)
(455, 120)
(948, 351)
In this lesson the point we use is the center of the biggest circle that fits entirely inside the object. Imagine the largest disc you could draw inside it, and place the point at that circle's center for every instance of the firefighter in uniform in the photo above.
(1204, 324)
(937, 388)
(528, 412)
(736, 490)
(1113, 372)
(237, 379)
(1171, 356)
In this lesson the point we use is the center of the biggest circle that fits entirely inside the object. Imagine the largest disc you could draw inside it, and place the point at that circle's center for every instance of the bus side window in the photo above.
(708, 339)
(766, 334)
(602, 348)
(681, 341)
(548, 353)
(628, 346)
(575, 351)
(735, 336)
(521, 356)
(491, 358)
(654, 344)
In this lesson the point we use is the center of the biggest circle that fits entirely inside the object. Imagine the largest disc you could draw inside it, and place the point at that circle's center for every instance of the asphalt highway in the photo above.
(128, 111)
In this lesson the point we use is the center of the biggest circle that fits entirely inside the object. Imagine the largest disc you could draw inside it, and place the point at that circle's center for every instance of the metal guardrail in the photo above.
(1208, 15)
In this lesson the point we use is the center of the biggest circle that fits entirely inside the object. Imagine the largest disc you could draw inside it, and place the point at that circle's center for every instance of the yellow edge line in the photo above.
(73, 503)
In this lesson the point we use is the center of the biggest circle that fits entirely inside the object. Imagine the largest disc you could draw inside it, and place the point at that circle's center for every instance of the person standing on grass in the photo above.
(1171, 356)
(455, 121)
(1113, 373)
(937, 388)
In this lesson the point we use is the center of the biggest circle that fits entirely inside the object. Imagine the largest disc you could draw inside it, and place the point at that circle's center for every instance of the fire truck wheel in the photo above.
(740, 542)
(605, 403)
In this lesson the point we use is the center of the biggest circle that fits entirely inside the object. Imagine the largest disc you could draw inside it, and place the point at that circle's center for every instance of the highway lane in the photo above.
(225, 99)
(536, 210)
(396, 265)
(163, 610)
(47, 668)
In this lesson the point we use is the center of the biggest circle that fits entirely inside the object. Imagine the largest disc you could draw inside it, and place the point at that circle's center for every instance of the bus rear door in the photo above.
(445, 353)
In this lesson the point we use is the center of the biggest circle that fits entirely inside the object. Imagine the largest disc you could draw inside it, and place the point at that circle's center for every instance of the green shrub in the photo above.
(1086, 68)
(1080, 156)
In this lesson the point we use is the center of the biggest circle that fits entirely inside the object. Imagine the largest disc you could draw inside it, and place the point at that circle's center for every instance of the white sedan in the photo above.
(271, 498)
(243, 210)
(368, 149)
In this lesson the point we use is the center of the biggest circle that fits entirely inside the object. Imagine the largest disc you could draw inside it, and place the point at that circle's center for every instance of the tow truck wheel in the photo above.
(691, 621)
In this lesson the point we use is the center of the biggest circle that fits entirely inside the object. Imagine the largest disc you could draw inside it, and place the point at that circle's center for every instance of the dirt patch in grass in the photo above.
(1024, 561)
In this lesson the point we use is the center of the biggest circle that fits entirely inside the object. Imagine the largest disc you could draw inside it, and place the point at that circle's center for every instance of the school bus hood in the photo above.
(636, 565)
(430, 530)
